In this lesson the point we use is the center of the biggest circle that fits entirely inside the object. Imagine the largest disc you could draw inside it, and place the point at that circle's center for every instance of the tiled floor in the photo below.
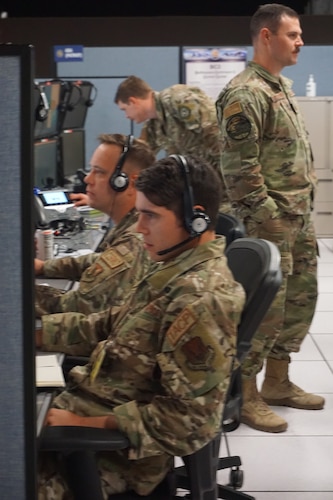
(297, 464)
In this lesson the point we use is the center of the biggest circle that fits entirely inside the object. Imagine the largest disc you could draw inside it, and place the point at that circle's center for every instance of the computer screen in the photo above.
(72, 152)
(77, 99)
(46, 163)
(49, 126)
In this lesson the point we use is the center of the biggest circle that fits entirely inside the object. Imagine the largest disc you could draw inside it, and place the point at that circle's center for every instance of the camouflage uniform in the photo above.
(268, 169)
(186, 124)
(163, 370)
(105, 278)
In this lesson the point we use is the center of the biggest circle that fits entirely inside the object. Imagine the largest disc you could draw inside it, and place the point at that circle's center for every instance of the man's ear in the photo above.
(265, 34)
(132, 179)
(132, 100)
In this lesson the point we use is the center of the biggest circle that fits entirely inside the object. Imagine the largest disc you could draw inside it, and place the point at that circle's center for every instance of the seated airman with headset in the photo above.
(106, 277)
(162, 371)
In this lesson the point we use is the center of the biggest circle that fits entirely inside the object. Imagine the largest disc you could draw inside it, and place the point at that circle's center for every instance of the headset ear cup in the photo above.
(200, 222)
(42, 109)
(41, 113)
(119, 181)
(195, 220)
(89, 103)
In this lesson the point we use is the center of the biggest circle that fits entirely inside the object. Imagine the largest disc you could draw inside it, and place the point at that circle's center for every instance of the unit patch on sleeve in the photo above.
(184, 112)
(238, 127)
(198, 355)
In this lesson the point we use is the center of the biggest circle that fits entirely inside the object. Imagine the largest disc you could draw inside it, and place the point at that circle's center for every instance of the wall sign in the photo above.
(212, 68)
(68, 53)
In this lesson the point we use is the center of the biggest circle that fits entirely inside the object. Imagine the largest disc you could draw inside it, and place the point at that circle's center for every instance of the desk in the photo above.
(44, 396)
(70, 243)
(60, 283)
(84, 241)
(76, 229)
(96, 225)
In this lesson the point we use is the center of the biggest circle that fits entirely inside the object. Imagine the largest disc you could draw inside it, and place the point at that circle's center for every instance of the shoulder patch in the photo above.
(112, 258)
(232, 109)
(238, 127)
(179, 327)
(198, 355)
(184, 112)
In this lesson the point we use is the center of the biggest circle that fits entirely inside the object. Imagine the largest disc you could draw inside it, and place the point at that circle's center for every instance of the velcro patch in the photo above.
(112, 258)
(198, 355)
(238, 127)
(183, 322)
(94, 270)
(185, 112)
(232, 109)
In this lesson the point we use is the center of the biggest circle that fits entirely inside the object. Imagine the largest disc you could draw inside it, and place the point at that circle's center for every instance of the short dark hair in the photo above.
(164, 184)
(133, 86)
(139, 153)
(269, 16)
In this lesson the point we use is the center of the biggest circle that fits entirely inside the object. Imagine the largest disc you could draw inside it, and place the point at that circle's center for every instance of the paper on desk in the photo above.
(48, 371)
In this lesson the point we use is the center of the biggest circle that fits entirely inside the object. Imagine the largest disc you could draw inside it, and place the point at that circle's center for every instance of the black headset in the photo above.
(89, 102)
(195, 220)
(119, 180)
(71, 98)
(43, 107)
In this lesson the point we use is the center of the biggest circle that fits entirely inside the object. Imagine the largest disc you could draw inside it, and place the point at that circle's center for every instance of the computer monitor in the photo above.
(72, 153)
(46, 163)
(76, 99)
(49, 127)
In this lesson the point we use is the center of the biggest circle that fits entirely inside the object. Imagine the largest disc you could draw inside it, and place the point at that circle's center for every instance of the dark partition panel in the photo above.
(17, 370)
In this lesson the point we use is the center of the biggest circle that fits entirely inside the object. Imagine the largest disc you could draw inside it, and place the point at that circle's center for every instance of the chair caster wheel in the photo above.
(236, 478)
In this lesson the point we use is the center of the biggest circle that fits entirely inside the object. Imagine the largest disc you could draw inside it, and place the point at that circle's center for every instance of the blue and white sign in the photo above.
(211, 68)
(68, 53)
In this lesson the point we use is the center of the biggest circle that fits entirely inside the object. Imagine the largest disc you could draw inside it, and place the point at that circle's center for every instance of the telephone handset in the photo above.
(40, 217)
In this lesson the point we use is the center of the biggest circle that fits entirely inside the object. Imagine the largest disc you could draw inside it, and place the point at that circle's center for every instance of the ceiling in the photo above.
(63, 8)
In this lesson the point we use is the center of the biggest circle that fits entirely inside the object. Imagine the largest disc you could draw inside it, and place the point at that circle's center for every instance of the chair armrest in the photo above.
(75, 438)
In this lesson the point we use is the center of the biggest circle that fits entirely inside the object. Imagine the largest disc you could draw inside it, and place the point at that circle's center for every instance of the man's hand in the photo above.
(63, 417)
(38, 337)
(39, 266)
(79, 199)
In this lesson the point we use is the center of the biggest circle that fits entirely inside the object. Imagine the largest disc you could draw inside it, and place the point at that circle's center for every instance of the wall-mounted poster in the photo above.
(212, 68)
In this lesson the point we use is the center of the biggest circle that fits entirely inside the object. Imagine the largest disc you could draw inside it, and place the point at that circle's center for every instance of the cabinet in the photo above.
(318, 117)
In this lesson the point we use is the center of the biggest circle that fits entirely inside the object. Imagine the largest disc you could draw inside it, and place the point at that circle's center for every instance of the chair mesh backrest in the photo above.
(255, 263)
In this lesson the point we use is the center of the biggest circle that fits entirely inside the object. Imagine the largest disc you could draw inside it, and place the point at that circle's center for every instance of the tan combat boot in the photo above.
(279, 391)
(256, 413)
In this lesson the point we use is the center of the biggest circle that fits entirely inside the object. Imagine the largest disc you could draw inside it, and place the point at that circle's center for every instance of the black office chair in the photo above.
(229, 226)
(256, 264)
